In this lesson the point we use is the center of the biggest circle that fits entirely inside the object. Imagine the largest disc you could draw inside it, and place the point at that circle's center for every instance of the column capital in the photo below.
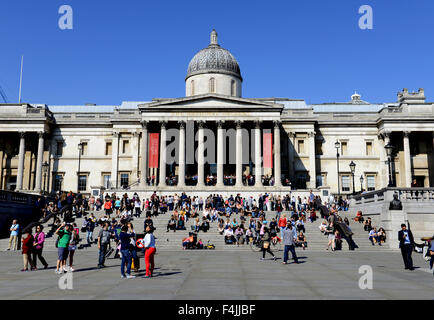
(144, 124)
(163, 124)
(41, 134)
(406, 134)
(291, 134)
(239, 124)
(221, 123)
(116, 134)
(135, 134)
(181, 124)
(200, 124)
(22, 134)
(311, 134)
(276, 123)
(258, 124)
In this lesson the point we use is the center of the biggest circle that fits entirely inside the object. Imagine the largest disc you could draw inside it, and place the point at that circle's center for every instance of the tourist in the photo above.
(289, 240)
(125, 241)
(323, 226)
(72, 246)
(373, 235)
(406, 244)
(171, 225)
(300, 224)
(149, 251)
(330, 232)
(15, 227)
(431, 253)
(239, 236)
(104, 237)
(229, 235)
(367, 225)
(64, 233)
(38, 245)
(301, 240)
(266, 240)
(381, 235)
(27, 248)
(108, 207)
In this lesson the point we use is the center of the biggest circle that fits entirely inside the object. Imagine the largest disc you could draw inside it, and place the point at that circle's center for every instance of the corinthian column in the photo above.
(21, 161)
(181, 164)
(407, 159)
(39, 161)
(277, 170)
(200, 156)
(162, 181)
(312, 160)
(220, 153)
(115, 159)
(258, 159)
(144, 158)
(239, 155)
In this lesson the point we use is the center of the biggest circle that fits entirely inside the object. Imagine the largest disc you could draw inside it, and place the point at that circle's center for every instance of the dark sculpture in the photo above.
(395, 204)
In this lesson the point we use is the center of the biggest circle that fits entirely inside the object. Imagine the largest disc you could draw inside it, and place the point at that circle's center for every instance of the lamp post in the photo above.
(337, 146)
(389, 151)
(45, 167)
(361, 183)
(80, 149)
(353, 169)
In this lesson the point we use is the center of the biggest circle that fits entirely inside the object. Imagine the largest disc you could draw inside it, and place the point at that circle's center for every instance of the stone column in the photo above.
(384, 167)
(312, 160)
(291, 150)
(144, 151)
(21, 161)
(181, 161)
(239, 155)
(135, 149)
(200, 156)
(115, 159)
(220, 153)
(277, 170)
(407, 159)
(162, 180)
(39, 161)
(258, 158)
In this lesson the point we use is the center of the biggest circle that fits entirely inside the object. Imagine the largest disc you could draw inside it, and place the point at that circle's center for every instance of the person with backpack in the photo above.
(90, 226)
(125, 241)
(104, 237)
(38, 245)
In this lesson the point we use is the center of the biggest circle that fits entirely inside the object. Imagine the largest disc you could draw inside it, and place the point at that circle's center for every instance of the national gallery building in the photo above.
(213, 140)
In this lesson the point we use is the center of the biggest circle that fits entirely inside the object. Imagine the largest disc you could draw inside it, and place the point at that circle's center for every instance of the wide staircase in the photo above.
(172, 241)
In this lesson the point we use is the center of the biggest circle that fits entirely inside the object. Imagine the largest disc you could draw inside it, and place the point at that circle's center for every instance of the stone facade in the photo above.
(213, 141)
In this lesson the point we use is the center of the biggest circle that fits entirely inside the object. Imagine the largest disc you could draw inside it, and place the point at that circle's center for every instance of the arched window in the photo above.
(212, 85)
(192, 88)
(233, 88)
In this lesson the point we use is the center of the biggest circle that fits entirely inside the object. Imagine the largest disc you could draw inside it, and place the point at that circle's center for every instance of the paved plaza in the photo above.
(198, 275)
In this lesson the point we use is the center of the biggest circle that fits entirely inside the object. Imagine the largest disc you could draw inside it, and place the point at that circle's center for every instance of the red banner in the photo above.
(154, 148)
(267, 150)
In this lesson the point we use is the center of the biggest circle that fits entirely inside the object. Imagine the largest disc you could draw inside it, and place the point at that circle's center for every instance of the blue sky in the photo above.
(136, 50)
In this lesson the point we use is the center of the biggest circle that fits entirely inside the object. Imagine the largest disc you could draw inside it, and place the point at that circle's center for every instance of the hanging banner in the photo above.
(154, 147)
(267, 151)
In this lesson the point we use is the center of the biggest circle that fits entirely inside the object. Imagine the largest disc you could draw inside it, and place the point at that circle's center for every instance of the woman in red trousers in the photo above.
(150, 251)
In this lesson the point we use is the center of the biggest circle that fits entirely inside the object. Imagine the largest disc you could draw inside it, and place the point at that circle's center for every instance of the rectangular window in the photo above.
(344, 150)
(58, 178)
(124, 179)
(125, 145)
(84, 148)
(301, 146)
(369, 148)
(59, 148)
(108, 148)
(82, 183)
(370, 182)
(107, 181)
(345, 183)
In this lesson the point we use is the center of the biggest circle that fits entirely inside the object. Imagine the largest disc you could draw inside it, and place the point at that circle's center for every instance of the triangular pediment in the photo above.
(209, 102)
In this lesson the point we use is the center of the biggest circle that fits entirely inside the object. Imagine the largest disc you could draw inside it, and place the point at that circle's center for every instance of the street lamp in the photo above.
(45, 167)
(80, 149)
(389, 151)
(337, 146)
(353, 169)
(361, 183)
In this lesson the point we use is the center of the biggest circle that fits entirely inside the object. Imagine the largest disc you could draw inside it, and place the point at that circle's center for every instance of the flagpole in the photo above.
(21, 80)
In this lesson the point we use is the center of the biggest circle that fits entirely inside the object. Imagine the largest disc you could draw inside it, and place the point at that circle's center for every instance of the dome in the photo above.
(213, 59)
